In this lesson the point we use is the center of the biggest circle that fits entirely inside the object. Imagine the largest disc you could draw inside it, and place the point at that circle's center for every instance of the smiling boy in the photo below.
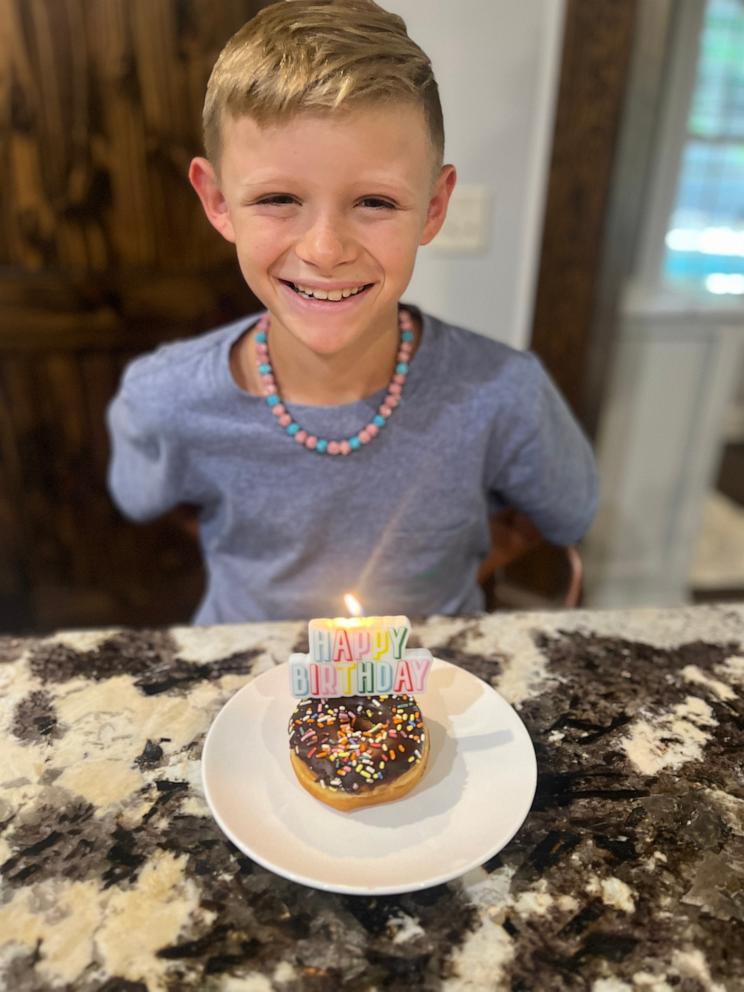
(334, 206)
(338, 442)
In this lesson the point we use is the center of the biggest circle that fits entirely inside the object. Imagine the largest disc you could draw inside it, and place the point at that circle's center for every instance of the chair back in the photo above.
(525, 572)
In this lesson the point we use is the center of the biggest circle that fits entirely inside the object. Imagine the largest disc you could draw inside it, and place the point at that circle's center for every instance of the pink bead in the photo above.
(278, 410)
(345, 448)
(395, 389)
(333, 448)
(261, 348)
(269, 388)
(364, 436)
(371, 429)
(285, 420)
(311, 441)
(385, 411)
(267, 380)
(404, 354)
(392, 400)
(300, 437)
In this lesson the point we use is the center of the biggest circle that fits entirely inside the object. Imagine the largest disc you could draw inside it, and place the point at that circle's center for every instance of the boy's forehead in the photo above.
(393, 133)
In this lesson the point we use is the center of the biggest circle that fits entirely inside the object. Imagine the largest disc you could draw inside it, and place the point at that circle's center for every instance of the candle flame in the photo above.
(353, 605)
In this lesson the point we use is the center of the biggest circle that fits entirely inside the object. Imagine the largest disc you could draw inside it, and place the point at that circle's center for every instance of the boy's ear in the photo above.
(204, 180)
(437, 209)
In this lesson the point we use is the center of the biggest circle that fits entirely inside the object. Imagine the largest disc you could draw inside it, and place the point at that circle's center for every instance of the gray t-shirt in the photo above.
(403, 523)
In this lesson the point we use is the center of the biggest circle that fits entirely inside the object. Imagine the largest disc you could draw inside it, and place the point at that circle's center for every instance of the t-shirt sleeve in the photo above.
(540, 462)
(146, 470)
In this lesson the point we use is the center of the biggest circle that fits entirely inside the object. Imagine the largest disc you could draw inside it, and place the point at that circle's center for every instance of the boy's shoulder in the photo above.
(471, 356)
(184, 362)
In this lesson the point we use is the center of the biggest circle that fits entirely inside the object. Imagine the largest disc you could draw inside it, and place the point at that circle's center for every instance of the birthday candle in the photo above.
(359, 656)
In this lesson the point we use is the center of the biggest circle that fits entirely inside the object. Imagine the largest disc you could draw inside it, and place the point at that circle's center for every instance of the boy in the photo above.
(338, 442)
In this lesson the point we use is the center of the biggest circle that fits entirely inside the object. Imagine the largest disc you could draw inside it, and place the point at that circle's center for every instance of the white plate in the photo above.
(474, 796)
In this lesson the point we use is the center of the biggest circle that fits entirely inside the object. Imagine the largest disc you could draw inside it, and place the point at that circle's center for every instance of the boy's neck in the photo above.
(305, 377)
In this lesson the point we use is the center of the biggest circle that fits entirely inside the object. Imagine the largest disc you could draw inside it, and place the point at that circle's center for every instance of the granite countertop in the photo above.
(627, 874)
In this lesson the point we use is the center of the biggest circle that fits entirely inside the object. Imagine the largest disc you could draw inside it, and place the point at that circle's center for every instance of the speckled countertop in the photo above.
(627, 874)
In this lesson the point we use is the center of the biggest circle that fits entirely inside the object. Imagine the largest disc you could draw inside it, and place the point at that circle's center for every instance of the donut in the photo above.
(354, 751)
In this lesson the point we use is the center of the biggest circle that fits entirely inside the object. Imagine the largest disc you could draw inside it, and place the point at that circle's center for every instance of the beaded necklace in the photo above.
(340, 446)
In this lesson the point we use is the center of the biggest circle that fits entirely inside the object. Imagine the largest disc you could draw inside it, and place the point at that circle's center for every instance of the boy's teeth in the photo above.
(334, 294)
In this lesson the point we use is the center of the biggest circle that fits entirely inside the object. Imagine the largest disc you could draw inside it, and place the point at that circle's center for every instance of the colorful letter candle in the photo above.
(359, 656)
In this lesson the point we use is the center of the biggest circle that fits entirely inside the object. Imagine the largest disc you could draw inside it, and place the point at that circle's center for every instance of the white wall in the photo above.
(497, 65)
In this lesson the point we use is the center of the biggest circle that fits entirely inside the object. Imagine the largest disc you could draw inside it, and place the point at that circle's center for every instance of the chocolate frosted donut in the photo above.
(355, 751)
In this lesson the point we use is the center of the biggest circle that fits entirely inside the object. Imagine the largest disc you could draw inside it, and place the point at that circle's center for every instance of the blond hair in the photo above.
(319, 56)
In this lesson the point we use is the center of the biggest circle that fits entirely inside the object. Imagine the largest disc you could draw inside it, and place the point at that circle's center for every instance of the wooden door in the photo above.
(104, 253)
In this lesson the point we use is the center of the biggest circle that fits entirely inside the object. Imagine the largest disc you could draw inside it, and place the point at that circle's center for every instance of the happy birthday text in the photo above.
(359, 657)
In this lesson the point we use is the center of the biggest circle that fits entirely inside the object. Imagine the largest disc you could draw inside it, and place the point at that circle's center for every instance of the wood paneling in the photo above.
(104, 253)
(597, 47)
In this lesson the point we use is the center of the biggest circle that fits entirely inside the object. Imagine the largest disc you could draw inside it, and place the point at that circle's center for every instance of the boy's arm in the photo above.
(545, 469)
(144, 475)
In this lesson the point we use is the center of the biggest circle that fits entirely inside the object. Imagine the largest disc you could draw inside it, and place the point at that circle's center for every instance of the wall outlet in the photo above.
(467, 228)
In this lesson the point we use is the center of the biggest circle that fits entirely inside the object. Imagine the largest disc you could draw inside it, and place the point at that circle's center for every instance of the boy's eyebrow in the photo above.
(272, 180)
(365, 184)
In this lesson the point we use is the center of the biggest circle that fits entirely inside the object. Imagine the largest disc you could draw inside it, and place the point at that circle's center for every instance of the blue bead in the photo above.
(321, 446)
(379, 420)
(292, 429)
(355, 443)
(273, 399)
(261, 337)
(407, 336)
(401, 368)
(265, 368)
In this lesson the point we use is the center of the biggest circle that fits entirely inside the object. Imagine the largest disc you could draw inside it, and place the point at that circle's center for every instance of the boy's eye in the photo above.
(280, 199)
(377, 203)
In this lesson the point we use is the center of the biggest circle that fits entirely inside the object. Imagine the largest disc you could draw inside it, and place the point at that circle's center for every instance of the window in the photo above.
(704, 244)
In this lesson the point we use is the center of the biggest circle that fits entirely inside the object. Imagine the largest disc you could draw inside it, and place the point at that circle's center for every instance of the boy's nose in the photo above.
(325, 244)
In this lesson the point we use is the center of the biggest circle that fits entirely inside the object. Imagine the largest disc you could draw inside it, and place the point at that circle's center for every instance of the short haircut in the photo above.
(319, 56)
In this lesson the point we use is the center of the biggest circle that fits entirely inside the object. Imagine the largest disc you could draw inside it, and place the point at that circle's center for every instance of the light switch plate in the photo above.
(467, 228)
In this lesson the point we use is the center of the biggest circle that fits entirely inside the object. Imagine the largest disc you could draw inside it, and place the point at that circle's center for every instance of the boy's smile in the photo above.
(327, 213)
